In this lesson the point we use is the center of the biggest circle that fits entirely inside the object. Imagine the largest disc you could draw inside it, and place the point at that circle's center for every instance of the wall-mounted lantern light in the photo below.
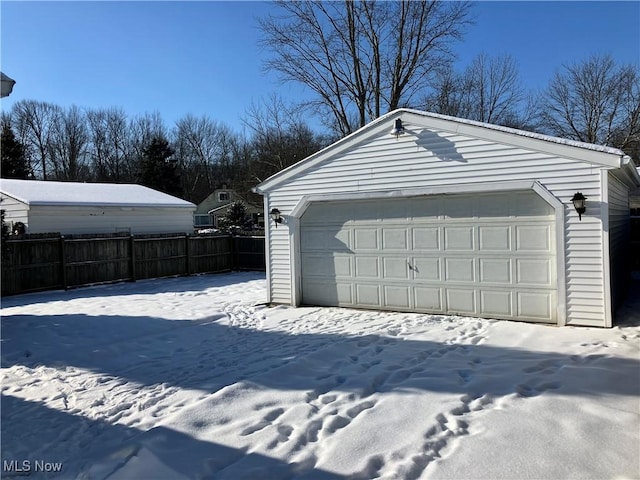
(397, 129)
(579, 203)
(275, 216)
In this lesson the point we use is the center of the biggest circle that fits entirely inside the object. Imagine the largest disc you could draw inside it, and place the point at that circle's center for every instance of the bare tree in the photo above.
(361, 59)
(34, 122)
(489, 90)
(594, 101)
(280, 137)
(202, 147)
(68, 145)
(109, 144)
(142, 129)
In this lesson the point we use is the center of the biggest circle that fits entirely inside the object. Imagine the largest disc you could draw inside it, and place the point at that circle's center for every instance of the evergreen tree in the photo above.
(14, 160)
(235, 218)
(237, 214)
(158, 170)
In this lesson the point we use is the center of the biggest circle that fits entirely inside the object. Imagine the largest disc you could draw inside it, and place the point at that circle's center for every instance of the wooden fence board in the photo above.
(64, 262)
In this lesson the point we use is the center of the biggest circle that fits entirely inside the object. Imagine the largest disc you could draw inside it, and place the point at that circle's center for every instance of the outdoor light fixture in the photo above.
(579, 203)
(275, 216)
(398, 129)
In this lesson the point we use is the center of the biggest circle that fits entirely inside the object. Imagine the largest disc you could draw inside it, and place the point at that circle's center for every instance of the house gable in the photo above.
(431, 131)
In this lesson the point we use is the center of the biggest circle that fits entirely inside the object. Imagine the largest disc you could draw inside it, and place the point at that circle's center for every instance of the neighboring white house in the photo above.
(77, 208)
(428, 213)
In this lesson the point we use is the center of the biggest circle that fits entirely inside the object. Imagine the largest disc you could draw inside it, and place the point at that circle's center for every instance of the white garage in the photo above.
(452, 217)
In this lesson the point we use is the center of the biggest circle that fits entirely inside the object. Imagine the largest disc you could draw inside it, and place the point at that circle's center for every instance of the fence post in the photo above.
(234, 253)
(188, 254)
(132, 256)
(63, 263)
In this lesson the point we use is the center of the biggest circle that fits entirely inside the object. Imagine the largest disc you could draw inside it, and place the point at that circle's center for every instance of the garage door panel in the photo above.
(342, 266)
(326, 238)
(495, 239)
(495, 270)
(459, 269)
(317, 266)
(395, 239)
(367, 267)
(397, 297)
(428, 299)
(395, 268)
(314, 239)
(496, 303)
(459, 239)
(534, 306)
(321, 293)
(427, 269)
(481, 255)
(535, 272)
(533, 238)
(366, 239)
(327, 266)
(426, 239)
(368, 295)
(461, 300)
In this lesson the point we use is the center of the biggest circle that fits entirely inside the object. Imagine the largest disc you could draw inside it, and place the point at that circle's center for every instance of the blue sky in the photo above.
(203, 57)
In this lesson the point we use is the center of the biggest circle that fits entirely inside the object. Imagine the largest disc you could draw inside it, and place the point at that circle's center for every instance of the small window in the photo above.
(223, 196)
(202, 220)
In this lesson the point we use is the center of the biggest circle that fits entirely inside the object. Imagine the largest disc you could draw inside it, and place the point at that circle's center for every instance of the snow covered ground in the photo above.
(193, 378)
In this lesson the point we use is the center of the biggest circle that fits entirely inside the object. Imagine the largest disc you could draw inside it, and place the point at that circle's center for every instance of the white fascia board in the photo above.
(17, 199)
(520, 138)
(631, 170)
(360, 135)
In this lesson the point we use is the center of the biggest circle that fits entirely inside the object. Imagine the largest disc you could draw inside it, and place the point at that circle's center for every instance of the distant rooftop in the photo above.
(37, 192)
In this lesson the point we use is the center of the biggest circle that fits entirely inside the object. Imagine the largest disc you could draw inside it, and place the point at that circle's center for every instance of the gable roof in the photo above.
(37, 192)
(586, 152)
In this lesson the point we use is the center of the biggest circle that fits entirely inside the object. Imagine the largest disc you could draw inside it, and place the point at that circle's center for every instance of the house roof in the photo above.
(250, 207)
(595, 154)
(36, 192)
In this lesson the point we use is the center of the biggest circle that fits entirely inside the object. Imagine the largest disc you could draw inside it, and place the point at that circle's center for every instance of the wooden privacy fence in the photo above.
(35, 264)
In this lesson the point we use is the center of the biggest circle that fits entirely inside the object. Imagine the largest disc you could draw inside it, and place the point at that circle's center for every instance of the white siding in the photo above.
(619, 224)
(139, 220)
(426, 158)
(15, 210)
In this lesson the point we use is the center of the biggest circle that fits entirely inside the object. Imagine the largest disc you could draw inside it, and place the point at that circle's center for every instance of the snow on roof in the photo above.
(522, 133)
(36, 192)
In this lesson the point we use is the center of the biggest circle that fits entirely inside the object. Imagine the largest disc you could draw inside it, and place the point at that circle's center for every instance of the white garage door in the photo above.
(487, 255)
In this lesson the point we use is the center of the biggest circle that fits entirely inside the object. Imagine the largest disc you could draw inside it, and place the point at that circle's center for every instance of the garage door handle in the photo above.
(410, 266)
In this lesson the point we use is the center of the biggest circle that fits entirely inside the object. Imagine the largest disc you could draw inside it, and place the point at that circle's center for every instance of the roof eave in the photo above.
(106, 205)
